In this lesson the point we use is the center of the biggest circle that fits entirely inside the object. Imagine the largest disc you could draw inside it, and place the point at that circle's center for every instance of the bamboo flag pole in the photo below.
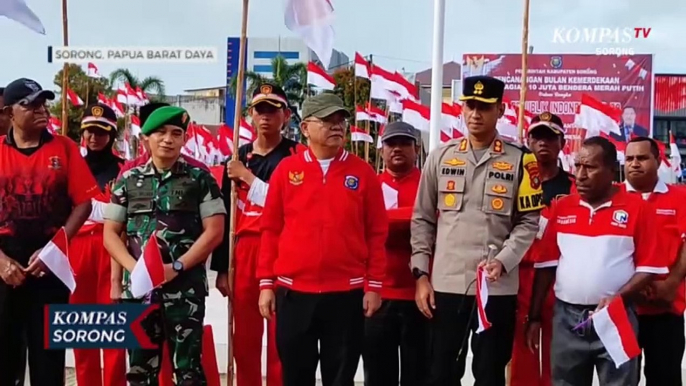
(355, 104)
(65, 69)
(525, 63)
(369, 104)
(234, 194)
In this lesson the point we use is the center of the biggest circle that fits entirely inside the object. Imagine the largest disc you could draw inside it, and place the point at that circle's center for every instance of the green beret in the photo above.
(167, 115)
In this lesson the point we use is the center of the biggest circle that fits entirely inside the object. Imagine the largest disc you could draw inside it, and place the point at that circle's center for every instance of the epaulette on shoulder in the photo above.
(518, 146)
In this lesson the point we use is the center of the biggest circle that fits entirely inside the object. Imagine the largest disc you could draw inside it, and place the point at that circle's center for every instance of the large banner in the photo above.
(556, 83)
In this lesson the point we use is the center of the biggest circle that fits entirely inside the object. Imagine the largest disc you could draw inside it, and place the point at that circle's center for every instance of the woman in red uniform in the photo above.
(90, 261)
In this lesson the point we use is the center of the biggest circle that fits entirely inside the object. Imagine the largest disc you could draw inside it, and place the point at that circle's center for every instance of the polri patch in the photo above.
(352, 182)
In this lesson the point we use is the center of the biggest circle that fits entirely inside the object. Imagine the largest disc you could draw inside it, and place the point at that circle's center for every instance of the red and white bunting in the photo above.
(361, 66)
(597, 117)
(142, 97)
(247, 132)
(92, 71)
(359, 135)
(416, 115)
(74, 98)
(317, 77)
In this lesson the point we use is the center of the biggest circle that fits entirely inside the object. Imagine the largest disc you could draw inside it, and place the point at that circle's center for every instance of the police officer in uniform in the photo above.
(478, 205)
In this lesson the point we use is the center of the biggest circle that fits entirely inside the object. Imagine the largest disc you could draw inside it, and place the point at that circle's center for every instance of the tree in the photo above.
(151, 85)
(85, 87)
(356, 94)
(292, 78)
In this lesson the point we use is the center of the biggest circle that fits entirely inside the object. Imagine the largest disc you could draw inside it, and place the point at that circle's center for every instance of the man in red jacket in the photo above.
(324, 227)
(398, 324)
(546, 139)
(253, 169)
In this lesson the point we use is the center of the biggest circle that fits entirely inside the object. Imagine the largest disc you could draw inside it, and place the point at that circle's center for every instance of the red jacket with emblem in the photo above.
(323, 232)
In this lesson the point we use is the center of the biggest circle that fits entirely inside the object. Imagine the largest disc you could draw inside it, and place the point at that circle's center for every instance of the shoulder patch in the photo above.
(530, 193)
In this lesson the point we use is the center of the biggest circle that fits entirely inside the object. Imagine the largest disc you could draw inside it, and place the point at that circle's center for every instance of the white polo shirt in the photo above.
(597, 251)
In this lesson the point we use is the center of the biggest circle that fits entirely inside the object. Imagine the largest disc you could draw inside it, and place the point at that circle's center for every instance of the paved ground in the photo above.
(216, 316)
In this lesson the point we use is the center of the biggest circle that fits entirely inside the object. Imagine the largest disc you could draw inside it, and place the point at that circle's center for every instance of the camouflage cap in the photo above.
(167, 115)
(322, 105)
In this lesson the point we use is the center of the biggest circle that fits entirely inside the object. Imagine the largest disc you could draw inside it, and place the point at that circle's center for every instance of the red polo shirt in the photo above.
(671, 222)
(399, 196)
(39, 187)
(597, 251)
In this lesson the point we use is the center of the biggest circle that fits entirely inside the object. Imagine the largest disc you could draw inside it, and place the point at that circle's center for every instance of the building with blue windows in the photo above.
(261, 51)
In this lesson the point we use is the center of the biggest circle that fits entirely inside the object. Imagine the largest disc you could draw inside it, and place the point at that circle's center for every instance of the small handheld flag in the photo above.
(55, 256)
(148, 273)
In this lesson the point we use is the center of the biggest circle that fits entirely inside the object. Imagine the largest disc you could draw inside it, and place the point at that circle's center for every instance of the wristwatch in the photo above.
(177, 266)
(418, 273)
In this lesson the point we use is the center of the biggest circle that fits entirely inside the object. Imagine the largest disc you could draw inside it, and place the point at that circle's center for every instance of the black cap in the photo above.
(145, 110)
(547, 121)
(99, 116)
(483, 89)
(269, 93)
(399, 129)
(25, 91)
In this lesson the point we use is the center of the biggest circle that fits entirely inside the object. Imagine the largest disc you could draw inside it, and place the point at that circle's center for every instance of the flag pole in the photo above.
(367, 108)
(437, 75)
(65, 69)
(525, 64)
(234, 194)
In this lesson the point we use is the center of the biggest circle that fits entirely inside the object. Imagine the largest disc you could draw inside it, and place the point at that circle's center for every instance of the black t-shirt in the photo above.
(262, 167)
(560, 185)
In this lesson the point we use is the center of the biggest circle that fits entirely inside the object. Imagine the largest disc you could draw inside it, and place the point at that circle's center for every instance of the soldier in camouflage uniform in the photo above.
(181, 205)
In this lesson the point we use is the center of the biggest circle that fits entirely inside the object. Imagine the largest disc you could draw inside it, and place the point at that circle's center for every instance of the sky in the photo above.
(397, 32)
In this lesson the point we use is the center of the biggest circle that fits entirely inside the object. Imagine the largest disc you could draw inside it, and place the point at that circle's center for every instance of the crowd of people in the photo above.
(343, 263)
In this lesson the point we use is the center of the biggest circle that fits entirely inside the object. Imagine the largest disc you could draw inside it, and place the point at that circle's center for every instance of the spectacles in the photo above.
(331, 121)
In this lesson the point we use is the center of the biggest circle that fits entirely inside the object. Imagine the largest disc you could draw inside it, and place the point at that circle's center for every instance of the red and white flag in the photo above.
(361, 66)
(92, 71)
(55, 256)
(148, 273)
(416, 115)
(317, 77)
(482, 300)
(54, 125)
(74, 98)
(614, 330)
(312, 20)
(357, 134)
(597, 117)
(135, 125)
(361, 114)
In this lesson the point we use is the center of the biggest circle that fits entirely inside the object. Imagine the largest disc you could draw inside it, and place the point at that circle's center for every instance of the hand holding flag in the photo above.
(55, 258)
(149, 271)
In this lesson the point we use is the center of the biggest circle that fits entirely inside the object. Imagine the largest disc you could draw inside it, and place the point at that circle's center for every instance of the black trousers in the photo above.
(22, 326)
(454, 319)
(398, 324)
(662, 339)
(332, 321)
